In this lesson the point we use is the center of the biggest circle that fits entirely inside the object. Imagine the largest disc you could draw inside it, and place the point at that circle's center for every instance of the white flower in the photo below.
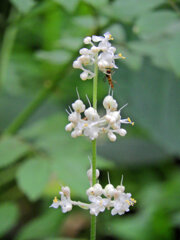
(91, 114)
(87, 40)
(89, 174)
(122, 204)
(112, 137)
(93, 125)
(109, 191)
(56, 203)
(115, 199)
(98, 205)
(78, 106)
(109, 103)
(101, 53)
(65, 203)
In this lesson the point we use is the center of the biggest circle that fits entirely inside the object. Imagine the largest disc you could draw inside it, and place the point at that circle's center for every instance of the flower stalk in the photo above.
(85, 121)
(95, 86)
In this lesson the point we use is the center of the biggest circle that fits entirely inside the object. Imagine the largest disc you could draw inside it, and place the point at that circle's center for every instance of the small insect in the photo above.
(109, 77)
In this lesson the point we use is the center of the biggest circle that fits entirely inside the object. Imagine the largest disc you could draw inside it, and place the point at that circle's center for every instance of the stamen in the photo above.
(67, 112)
(109, 92)
(88, 100)
(77, 93)
(90, 161)
(121, 56)
(123, 106)
(122, 180)
(55, 200)
(110, 37)
(70, 109)
(129, 120)
(108, 178)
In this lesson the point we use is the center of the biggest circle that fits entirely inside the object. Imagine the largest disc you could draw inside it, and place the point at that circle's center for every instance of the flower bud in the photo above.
(89, 174)
(91, 114)
(76, 64)
(120, 188)
(87, 40)
(122, 132)
(109, 191)
(66, 191)
(73, 117)
(69, 127)
(78, 106)
(109, 103)
(95, 49)
(74, 134)
(98, 189)
(84, 51)
(111, 136)
(84, 76)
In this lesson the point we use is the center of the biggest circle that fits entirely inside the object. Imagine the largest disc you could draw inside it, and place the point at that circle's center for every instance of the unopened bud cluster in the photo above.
(110, 198)
(102, 54)
(92, 125)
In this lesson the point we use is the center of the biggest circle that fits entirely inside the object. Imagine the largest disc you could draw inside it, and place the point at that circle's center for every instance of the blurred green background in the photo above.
(39, 41)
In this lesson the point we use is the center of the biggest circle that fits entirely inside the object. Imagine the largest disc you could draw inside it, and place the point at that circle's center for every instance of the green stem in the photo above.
(95, 83)
(7, 45)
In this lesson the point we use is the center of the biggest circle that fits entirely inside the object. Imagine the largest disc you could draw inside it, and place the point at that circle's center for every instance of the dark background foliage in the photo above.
(39, 41)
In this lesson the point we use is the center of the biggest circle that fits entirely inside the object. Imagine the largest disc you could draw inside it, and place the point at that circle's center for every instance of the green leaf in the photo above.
(32, 177)
(129, 9)
(23, 6)
(58, 57)
(174, 54)
(132, 151)
(153, 94)
(97, 4)
(154, 24)
(8, 217)
(69, 5)
(42, 227)
(11, 149)
(156, 50)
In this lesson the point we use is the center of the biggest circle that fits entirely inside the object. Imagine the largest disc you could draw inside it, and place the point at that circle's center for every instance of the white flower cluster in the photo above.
(92, 124)
(103, 54)
(114, 198)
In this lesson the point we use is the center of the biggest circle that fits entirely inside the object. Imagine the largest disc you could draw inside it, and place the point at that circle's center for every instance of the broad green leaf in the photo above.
(173, 53)
(70, 43)
(32, 177)
(154, 24)
(11, 149)
(133, 152)
(153, 95)
(129, 9)
(156, 50)
(69, 5)
(58, 57)
(23, 6)
(42, 227)
(97, 4)
(8, 217)
(86, 21)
